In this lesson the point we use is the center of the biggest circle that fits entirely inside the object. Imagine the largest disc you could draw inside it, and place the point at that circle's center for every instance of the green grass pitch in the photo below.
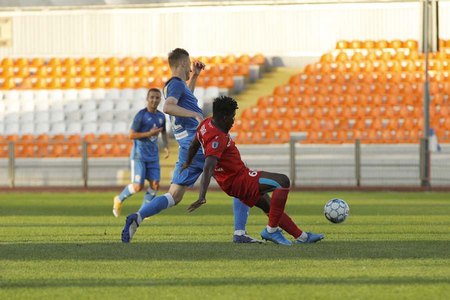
(67, 246)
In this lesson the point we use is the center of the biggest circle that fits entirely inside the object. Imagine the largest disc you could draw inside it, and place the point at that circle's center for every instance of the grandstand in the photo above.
(66, 100)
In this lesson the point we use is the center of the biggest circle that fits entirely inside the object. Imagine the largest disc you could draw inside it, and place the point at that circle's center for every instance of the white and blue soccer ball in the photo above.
(336, 210)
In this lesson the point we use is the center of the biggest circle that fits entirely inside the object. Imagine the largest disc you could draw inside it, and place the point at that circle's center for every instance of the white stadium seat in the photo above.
(126, 94)
(89, 128)
(41, 95)
(41, 116)
(27, 105)
(55, 96)
(105, 105)
(105, 116)
(73, 116)
(71, 106)
(122, 105)
(99, 94)
(105, 127)
(12, 117)
(74, 128)
(26, 95)
(120, 127)
(137, 105)
(140, 93)
(12, 128)
(88, 105)
(84, 94)
(112, 94)
(58, 128)
(41, 128)
(56, 116)
(11, 95)
(89, 116)
(70, 94)
(27, 117)
(27, 128)
(12, 106)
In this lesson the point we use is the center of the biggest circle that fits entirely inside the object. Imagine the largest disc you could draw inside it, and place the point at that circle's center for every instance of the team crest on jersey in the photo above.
(203, 129)
(214, 145)
(160, 121)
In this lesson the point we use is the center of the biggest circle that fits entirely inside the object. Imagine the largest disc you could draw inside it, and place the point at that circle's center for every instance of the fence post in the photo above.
(12, 164)
(295, 137)
(424, 163)
(358, 162)
(84, 163)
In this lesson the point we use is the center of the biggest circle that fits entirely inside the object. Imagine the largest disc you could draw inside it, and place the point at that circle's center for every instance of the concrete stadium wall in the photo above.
(284, 30)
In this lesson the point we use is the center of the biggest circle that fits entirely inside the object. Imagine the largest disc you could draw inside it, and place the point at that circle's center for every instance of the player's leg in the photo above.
(287, 224)
(241, 211)
(153, 175)
(279, 185)
(180, 180)
(137, 183)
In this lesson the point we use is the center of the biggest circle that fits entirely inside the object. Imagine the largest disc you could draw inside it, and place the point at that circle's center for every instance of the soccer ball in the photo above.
(336, 210)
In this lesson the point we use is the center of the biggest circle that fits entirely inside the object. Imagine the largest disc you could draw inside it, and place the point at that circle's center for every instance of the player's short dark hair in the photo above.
(153, 90)
(176, 56)
(224, 106)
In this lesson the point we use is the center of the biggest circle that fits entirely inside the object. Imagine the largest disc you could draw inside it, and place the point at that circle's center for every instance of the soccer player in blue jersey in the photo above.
(185, 113)
(147, 125)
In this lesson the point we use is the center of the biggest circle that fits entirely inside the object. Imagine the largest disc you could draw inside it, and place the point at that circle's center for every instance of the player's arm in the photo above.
(197, 67)
(193, 149)
(140, 135)
(172, 108)
(208, 170)
(165, 141)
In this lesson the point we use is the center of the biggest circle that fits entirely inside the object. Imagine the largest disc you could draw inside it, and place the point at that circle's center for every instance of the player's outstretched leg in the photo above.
(241, 212)
(128, 191)
(131, 224)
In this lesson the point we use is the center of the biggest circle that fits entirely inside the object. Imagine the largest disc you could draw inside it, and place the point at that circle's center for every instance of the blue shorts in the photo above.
(189, 176)
(141, 170)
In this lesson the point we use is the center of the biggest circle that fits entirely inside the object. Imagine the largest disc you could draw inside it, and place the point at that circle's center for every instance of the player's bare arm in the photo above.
(165, 143)
(197, 67)
(208, 170)
(140, 135)
(193, 149)
(172, 108)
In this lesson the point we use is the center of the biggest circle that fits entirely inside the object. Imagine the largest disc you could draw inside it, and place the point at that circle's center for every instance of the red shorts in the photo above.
(245, 187)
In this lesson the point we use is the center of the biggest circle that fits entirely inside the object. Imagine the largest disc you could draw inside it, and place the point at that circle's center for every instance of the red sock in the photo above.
(289, 226)
(277, 204)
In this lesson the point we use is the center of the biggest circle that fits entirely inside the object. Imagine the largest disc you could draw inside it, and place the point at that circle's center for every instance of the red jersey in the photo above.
(230, 173)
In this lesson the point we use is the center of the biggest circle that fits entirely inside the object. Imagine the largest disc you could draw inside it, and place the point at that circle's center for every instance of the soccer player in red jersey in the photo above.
(223, 161)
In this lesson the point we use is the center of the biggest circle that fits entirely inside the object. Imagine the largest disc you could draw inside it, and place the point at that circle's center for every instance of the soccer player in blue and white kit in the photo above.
(185, 113)
(147, 125)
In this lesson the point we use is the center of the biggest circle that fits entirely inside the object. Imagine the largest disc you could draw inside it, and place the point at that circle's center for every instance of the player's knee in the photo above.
(284, 181)
(138, 187)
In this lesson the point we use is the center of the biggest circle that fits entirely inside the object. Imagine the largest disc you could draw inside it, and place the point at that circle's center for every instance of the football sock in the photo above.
(149, 195)
(156, 205)
(240, 211)
(303, 237)
(277, 204)
(127, 192)
(271, 229)
(289, 226)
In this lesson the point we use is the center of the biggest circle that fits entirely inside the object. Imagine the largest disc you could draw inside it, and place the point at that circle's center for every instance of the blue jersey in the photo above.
(183, 128)
(146, 149)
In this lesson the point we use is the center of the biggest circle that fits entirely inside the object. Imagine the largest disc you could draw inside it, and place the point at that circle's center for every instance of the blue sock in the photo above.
(156, 205)
(241, 212)
(149, 195)
(127, 192)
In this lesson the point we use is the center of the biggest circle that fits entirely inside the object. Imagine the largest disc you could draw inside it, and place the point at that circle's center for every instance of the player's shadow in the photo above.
(204, 251)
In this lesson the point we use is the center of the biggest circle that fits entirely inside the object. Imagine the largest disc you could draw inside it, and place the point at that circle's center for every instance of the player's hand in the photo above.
(155, 131)
(196, 205)
(197, 67)
(199, 118)
(166, 150)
